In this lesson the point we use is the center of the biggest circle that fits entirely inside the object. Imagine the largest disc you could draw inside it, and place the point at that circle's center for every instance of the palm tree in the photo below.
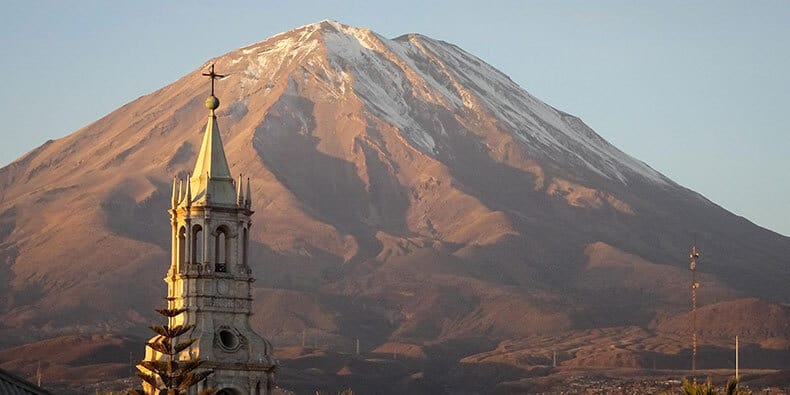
(689, 388)
(733, 389)
(171, 376)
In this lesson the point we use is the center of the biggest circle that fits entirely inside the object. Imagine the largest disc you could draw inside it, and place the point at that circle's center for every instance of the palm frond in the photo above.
(159, 347)
(183, 346)
(171, 332)
(148, 378)
(188, 366)
(170, 313)
(193, 378)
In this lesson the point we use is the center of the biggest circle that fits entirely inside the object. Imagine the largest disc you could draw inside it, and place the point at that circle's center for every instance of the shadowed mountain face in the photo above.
(405, 191)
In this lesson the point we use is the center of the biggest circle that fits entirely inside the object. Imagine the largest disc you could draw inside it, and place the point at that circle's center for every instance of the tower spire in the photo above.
(189, 194)
(249, 194)
(239, 192)
(173, 197)
(211, 181)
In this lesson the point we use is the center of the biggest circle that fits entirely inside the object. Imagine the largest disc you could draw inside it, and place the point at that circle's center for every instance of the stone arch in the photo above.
(197, 244)
(222, 249)
(228, 391)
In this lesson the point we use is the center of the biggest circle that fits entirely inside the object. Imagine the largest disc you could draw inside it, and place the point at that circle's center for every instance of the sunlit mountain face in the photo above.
(407, 194)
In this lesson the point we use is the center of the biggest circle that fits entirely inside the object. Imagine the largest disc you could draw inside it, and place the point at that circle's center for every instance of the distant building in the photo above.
(210, 274)
(13, 385)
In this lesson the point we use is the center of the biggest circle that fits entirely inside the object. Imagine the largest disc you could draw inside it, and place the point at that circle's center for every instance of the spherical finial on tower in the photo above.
(212, 103)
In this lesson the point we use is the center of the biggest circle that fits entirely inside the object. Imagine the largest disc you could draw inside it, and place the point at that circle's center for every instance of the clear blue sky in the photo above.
(699, 90)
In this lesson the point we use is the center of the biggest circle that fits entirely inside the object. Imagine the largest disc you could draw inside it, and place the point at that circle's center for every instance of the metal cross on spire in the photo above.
(211, 74)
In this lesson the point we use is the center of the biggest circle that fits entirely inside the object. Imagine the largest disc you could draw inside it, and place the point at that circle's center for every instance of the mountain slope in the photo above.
(404, 191)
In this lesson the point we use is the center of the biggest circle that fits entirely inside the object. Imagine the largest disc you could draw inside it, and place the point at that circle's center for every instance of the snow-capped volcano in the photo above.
(390, 75)
(405, 192)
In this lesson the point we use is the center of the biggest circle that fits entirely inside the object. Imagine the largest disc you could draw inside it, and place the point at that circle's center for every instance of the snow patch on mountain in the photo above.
(554, 130)
(386, 73)
(269, 57)
(379, 82)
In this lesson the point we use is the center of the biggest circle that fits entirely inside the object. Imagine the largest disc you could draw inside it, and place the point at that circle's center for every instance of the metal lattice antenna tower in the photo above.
(693, 255)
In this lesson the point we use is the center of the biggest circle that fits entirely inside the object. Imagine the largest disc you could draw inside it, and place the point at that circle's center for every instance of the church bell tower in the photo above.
(209, 271)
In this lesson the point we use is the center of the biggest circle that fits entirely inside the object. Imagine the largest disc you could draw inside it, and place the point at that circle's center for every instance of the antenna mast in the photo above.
(736, 361)
(694, 285)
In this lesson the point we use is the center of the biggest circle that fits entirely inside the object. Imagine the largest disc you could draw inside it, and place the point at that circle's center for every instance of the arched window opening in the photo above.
(182, 247)
(222, 250)
(197, 244)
